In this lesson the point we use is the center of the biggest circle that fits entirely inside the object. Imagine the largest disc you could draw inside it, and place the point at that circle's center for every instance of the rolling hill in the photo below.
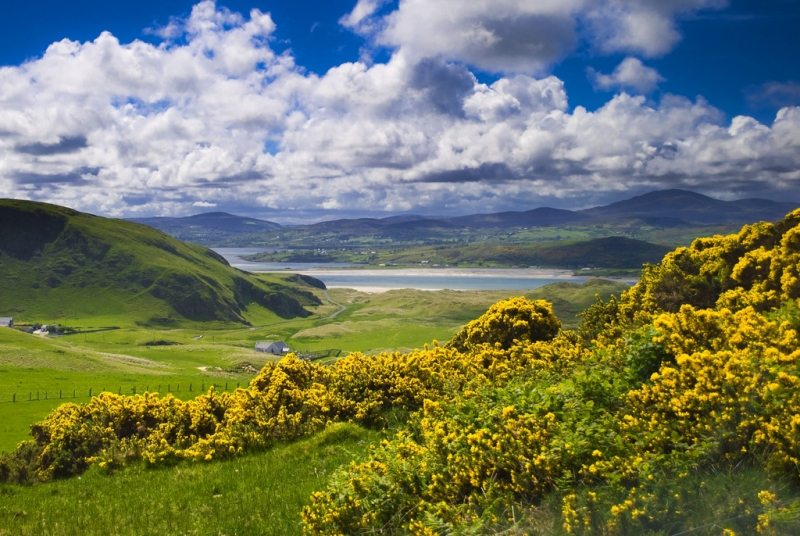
(56, 263)
(614, 252)
(210, 227)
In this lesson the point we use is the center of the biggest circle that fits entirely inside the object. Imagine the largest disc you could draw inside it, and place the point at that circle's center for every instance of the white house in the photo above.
(272, 347)
(6, 321)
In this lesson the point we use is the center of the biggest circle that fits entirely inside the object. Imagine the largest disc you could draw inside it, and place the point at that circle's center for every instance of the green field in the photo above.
(261, 493)
(37, 373)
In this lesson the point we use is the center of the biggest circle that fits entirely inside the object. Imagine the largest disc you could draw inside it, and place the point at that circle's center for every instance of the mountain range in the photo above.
(662, 209)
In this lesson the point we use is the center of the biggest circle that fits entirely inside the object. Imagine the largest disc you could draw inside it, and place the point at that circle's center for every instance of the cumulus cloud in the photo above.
(509, 36)
(216, 114)
(631, 73)
(645, 27)
(493, 35)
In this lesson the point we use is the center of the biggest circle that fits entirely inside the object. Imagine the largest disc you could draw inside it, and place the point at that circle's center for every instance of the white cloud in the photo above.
(645, 27)
(135, 128)
(360, 19)
(512, 36)
(494, 35)
(631, 73)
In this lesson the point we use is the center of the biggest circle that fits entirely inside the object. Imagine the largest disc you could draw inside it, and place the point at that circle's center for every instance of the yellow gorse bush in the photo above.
(696, 364)
(285, 400)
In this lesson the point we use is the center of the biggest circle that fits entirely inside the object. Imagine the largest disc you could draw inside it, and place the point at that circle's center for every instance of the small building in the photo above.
(272, 347)
(6, 322)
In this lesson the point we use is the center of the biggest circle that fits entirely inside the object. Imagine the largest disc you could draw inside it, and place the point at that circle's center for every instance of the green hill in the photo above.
(56, 264)
(613, 252)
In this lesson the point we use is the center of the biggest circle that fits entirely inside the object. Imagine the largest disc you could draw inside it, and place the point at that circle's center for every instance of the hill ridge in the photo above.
(59, 259)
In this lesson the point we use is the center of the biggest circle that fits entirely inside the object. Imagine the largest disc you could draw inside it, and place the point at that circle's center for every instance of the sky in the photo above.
(304, 110)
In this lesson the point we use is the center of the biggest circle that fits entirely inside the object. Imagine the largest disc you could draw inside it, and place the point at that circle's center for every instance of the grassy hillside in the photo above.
(57, 264)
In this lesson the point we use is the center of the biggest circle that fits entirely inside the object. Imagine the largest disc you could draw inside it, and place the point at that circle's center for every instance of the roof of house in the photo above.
(275, 345)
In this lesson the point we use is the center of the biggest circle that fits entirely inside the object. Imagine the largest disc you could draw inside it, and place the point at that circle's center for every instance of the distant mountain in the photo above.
(692, 208)
(56, 262)
(393, 227)
(663, 209)
(209, 228)
(538, 217)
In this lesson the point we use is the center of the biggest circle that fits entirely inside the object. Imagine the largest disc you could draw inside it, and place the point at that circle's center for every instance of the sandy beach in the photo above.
(384, 279)
(532, 273)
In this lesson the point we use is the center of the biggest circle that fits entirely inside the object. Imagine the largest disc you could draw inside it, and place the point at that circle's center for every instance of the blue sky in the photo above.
(315, 109)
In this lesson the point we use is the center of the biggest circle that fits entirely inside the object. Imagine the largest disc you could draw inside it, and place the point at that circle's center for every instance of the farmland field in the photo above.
(38, 373)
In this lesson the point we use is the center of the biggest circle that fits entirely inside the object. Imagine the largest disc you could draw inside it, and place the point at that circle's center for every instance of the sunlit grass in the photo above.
(260, 493)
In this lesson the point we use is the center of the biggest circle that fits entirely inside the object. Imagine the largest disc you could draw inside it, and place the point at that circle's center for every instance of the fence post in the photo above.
(14, 397)
(90, 392)
(190, 387)
(59, 394)
(133, 389)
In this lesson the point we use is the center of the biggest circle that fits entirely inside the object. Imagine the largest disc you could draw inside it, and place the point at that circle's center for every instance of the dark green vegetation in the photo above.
(257, 494)
(616, 252)
(59, 264)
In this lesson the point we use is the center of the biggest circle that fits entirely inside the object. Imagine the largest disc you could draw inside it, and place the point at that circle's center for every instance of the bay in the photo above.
(371, 279)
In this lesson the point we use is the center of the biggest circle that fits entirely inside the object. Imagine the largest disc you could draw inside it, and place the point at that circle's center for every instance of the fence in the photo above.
(320, 354)
(70, 394)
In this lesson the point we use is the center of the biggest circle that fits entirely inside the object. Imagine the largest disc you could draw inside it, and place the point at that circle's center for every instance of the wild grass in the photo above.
(260, 493)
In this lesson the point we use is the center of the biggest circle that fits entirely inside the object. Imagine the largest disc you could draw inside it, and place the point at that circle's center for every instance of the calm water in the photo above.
(234, 257)
(350, 276)
(436, 279)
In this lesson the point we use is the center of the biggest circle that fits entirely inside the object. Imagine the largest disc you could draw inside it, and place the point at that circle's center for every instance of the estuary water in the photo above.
(371, 279)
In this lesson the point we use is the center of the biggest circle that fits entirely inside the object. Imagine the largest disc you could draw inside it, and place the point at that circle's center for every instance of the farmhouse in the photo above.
(272, 347)
(6, 322)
